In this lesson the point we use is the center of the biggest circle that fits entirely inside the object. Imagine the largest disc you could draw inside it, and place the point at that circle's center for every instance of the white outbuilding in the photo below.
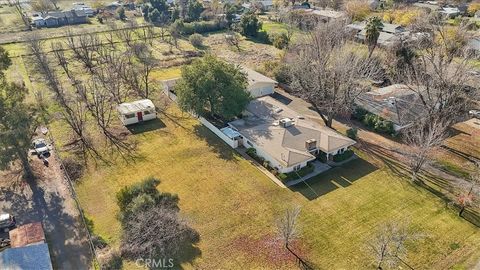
(258, 84)
(136, 111)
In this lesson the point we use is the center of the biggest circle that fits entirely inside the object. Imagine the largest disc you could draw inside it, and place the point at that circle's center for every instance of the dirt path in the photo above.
(48, 199)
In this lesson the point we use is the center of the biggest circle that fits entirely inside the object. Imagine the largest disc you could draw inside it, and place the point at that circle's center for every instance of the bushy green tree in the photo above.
(250, 25)
(151, 225)
(210, 86)
(194, 10)
(373, 28)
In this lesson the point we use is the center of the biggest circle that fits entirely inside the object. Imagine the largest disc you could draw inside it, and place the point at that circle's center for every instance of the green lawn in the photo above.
(234, 206)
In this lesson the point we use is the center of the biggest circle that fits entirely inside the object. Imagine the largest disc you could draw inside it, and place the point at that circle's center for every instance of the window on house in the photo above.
(249, 143)
(130, 115)
(146, 112)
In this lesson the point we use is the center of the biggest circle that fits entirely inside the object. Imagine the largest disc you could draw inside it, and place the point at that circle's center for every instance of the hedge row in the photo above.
(373, 121)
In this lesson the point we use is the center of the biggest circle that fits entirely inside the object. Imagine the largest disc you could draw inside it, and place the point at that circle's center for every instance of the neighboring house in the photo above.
(258, 84)
(28, 249)
(390, 33)
(90, 12)
(282, 137)
(396, 103)
(136, 112)
(450, 12)
(327, 15)
(59, 18)
(428, 7)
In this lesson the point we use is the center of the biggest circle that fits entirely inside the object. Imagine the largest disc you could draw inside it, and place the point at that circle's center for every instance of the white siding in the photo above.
(219, 133)
(261, 89)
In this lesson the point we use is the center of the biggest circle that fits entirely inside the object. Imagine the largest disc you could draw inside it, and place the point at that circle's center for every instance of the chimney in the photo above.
(311, 144)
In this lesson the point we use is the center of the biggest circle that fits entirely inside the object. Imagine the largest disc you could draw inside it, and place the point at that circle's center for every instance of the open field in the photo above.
(234, 206)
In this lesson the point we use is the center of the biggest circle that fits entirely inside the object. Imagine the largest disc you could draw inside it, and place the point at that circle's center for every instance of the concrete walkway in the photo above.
(242, 151)
(319, 168)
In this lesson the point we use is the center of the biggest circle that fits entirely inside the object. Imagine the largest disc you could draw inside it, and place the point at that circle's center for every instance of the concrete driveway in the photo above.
(48, 199)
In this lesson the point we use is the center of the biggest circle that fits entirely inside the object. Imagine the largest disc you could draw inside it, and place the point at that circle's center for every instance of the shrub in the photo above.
(359, 113)
(110, 259)
(352, 133)
(263, 37)
(251, 151)
(280, 41)
(249, 25)
(282, 176)
(196, 40)
(197, 27)
(343, 156)
(73, 168)
(127, 194)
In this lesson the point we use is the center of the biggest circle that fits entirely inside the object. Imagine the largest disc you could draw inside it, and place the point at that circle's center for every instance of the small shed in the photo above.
(136, 112)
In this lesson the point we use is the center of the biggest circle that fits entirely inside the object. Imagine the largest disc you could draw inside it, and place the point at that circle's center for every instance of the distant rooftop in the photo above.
(34, 256)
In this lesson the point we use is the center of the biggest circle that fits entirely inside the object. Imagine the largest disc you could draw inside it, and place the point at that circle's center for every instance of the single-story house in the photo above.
(284, 138)
(428, 7)
(136, 112)
(396, 103)
(59, 18)
(390, 33)
(90, 12)
(258, 84)
(450, 12)
(28, 249)
(326, 15)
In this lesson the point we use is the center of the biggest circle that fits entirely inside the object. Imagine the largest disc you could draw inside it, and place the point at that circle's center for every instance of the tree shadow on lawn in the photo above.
(342, 176)
(65, 235)
(223, 150)
(146, 126)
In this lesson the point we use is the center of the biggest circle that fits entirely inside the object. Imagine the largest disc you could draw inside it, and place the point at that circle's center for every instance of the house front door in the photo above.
(140, 116)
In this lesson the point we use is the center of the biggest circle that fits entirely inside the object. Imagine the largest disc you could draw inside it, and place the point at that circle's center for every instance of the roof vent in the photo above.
(286, 122)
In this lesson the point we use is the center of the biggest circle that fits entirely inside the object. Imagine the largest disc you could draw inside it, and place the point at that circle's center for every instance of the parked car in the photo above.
(40, 147)
(474, 113)
(7, 221)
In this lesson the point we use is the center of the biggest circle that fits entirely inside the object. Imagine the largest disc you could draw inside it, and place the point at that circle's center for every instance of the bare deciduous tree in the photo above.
(423, 138)
(388, 246)
(326, 73)
(84, 48)
(59, 52)
(99, 103)
(288, 231)
(147, 62)
(469, 192)
(72, 110)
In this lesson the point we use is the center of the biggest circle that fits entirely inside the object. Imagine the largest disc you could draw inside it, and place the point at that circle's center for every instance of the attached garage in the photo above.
(258, 84)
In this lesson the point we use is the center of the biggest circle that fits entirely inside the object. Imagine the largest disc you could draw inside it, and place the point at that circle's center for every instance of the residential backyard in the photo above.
(234, 206)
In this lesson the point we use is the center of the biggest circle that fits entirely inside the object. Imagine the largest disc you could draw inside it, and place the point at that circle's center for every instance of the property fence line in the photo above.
(75, 198)
(231, 142)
